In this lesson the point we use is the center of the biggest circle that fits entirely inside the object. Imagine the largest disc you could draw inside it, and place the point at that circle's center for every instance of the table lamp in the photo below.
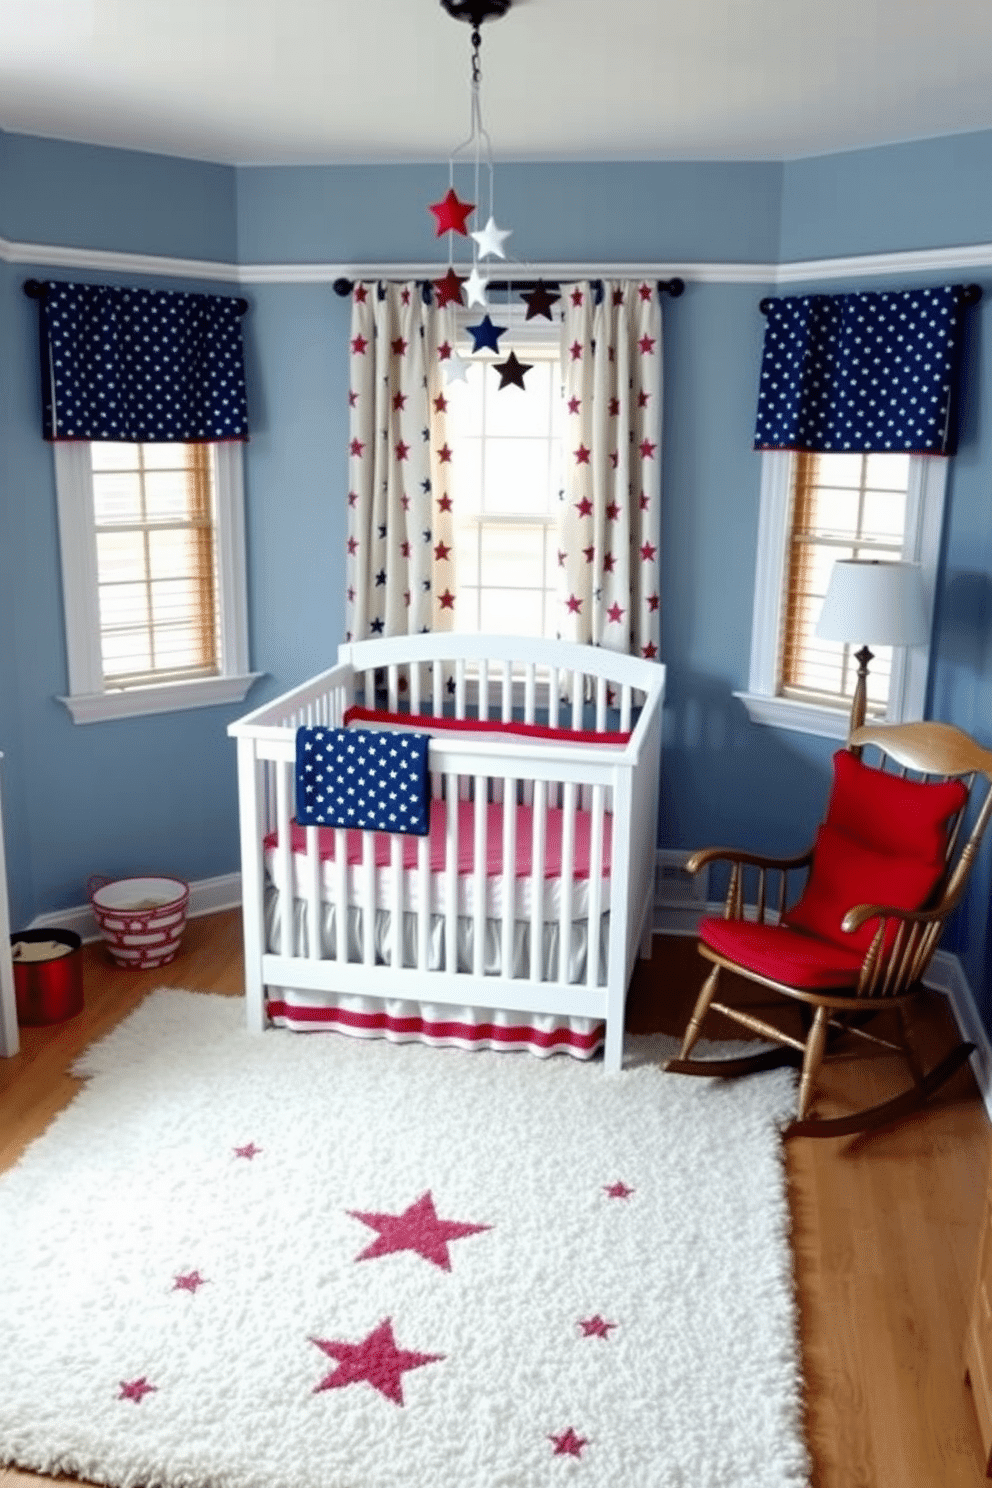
(874, 602)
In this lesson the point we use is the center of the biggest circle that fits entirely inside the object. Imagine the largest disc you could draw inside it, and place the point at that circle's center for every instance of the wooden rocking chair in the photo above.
(888, 866)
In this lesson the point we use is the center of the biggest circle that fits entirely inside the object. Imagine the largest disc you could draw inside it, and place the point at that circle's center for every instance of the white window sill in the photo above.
(168, 697)
(805, 718)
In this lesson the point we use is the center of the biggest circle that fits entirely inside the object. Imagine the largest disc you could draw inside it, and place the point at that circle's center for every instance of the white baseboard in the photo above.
(206, 896)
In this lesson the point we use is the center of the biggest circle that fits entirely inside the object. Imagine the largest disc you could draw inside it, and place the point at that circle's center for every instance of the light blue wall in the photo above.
(160, 793)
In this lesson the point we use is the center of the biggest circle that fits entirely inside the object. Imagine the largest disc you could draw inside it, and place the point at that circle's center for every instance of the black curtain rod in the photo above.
(36, 290)
(674, 287)
(972, 295)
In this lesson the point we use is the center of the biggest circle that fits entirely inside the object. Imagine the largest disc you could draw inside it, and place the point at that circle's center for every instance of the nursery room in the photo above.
(495, 745)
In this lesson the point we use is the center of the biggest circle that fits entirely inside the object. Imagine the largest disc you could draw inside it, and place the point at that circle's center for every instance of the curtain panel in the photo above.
(134, 365)
(609, 534)
(870, 373)
(400, 561)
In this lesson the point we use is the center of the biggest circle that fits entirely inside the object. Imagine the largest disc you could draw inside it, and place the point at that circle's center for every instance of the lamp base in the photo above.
(859, 703)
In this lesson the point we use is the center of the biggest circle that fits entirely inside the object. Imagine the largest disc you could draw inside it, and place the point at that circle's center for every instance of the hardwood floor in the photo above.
(885, 1227)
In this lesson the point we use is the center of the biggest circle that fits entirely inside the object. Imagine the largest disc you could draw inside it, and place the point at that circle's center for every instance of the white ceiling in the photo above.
(320, 81)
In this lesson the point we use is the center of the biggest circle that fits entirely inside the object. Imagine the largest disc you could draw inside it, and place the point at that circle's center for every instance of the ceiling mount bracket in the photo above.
(476, 11)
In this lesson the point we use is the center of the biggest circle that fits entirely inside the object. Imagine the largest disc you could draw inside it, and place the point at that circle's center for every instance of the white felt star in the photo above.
(491, 239)
(475, 288)
(456, 368)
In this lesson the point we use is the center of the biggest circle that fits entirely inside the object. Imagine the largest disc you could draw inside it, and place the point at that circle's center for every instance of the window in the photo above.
(506, 447)
(152, 546)
(814, 510)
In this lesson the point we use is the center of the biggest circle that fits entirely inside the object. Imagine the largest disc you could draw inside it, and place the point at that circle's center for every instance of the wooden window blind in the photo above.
(154, 513)
(844, 506)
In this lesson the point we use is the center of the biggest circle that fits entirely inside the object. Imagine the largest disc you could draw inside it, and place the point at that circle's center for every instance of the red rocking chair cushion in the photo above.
(784, 955)
(892, 814)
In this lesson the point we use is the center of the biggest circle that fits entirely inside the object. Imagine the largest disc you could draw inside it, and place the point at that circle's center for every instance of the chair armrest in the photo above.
(862, 913)
(706, 855)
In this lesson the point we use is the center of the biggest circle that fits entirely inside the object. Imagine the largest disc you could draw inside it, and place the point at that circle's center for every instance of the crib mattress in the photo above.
(382, 883)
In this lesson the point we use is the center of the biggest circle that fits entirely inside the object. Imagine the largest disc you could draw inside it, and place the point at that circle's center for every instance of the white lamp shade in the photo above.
(874, 603)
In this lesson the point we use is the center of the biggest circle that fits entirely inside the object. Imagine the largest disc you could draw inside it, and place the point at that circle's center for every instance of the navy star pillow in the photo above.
(375, 782)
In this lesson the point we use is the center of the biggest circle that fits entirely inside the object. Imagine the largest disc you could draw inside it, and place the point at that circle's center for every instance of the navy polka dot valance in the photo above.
(141, 364)
(868, 372)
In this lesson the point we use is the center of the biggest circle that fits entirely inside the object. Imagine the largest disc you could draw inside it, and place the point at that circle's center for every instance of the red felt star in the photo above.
(418, 1227)
(451, 214)
(582, 455)
(249, 1151)
(359, 344)
(444, 502)
(567, 1444)
(440, 404)
(376, 1360)
(617, 1190)
(189, 1282)
(136, 1390)
(449, 290)
(444, 454)
(646, 344)
(595, 1327)
(447, 602)
(441, 551)
(574, 404)
(574, 604)
(584, 507)
(615, 613)
(647, 449)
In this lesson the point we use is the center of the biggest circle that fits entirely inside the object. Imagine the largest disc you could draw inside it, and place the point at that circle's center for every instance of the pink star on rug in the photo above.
(595, 1327)
(189, 1282)
(376, 1359)
(136, 1390)
(417, 1228)
(249, 1150)
(617, 1190)
(567, 1444)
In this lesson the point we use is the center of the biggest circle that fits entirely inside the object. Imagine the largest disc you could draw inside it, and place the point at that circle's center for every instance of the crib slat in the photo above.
(451, 874)
(530, 716)
(538, 828)
(479, 879)
(460, 688)
(368, 898)
(423, 902)
(396, 897)
(393, 684)
(625, 708)
(284, 858)
(601, 704)
(415, 687)
(483, 707)
(314, 926)
(507, 691)
(509, 875)
(578, 698)
(437, 688)
(595, 886)
(341, 892)
(566, 881)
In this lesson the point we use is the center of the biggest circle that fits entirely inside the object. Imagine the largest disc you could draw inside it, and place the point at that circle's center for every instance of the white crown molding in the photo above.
(924, 260)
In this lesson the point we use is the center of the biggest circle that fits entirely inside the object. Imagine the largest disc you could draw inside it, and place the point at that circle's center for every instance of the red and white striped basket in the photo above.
(141, 919)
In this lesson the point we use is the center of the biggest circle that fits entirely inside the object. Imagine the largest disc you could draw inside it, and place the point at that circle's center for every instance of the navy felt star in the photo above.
(485, 335)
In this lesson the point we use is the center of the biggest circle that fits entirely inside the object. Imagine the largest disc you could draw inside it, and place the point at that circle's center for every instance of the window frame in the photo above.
(910, 664)
(89, 700)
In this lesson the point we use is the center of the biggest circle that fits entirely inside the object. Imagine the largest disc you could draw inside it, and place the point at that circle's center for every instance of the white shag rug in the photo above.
(317, 1262)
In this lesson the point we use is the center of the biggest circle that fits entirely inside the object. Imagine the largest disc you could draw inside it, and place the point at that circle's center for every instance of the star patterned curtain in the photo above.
(609, 531)
(131, 365)
(866, 372)
(400, 568)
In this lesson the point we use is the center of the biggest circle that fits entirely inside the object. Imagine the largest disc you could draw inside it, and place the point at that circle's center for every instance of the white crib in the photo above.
(505, 917)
